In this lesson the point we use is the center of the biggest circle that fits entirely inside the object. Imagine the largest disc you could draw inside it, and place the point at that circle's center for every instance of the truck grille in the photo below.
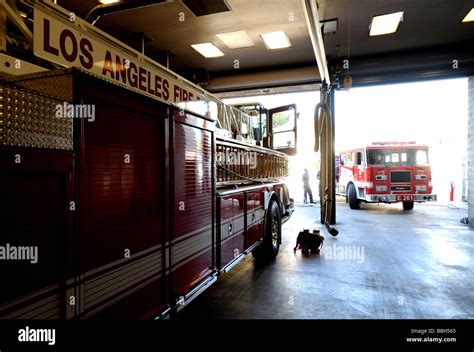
(400, 177)
(400, 188)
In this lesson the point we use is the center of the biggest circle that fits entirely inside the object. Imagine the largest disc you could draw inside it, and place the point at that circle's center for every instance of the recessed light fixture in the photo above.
(329, 26)
(236, 40)
(107, 2)
(208, 50)
(385, 24)
(469, 17)
(276, 40)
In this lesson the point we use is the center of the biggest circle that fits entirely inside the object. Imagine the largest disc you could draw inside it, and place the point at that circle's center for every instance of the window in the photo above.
(244, 128)
(414, 157)
(421, 157)
(255, 124)
(385, 157)
(283, 127)
(284, 140)
(349, 159)
(258, 121)
(359, 158)
(343, 159)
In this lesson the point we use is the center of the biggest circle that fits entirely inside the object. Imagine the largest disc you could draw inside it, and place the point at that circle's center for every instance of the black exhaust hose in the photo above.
(319, 123)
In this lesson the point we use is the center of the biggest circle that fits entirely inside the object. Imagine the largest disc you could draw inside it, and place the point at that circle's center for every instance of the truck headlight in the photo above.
(421, 188)
(381, 188)
(420, 177)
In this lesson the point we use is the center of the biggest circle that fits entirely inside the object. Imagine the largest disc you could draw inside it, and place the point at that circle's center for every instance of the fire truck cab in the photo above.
(385, 172)
(142, 204)
(272, 128)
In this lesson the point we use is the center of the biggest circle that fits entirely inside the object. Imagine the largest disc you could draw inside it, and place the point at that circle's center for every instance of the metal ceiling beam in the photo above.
(453, 60)
(264, 79)
(310, 9)
(14, 15)
(106, 9)
(269, 91)
(3, 30)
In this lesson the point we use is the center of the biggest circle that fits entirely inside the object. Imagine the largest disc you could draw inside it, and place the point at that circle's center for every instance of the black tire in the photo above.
(354, 203)
(270, 245)
(408, 205)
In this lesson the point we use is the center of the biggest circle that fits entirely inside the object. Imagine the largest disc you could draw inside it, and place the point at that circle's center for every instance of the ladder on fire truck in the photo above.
(230, 121)
(50, 17)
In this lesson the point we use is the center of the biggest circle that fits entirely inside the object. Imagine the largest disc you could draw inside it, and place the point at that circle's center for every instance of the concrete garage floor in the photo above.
(384, 264)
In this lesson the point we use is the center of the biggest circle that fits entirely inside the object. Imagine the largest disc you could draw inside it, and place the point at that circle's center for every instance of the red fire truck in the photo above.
(385, 173)
(126, 190)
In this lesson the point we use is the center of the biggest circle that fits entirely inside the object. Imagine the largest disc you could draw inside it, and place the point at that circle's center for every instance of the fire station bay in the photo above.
(235, 159)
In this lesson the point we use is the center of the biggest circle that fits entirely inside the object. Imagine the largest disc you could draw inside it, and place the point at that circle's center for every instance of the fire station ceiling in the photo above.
(431, 31)
(171, 26)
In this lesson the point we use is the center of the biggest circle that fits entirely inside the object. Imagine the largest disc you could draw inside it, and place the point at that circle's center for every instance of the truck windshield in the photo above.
(396, 157)
(387, 157)
(414, 157)
(258, 120)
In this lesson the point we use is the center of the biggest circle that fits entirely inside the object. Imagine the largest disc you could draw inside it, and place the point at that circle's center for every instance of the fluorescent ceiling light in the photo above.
(106, 2)
(207, 50)
(329, 26)
(469, 17)
(385, 24)
(236, 40)
(276, 40)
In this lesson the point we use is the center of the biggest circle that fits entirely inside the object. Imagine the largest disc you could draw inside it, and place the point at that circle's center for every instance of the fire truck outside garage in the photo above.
(385, 173)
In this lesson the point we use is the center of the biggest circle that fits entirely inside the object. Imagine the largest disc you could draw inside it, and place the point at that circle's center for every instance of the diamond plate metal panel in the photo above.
(28, 119)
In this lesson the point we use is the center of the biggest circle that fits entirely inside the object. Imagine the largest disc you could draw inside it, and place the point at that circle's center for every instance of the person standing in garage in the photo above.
(307, 187)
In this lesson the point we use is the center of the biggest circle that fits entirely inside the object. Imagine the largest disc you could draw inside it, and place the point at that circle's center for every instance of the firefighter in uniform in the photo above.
(307, 187)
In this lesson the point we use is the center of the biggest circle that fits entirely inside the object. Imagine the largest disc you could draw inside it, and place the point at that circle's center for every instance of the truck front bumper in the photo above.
(393, 198)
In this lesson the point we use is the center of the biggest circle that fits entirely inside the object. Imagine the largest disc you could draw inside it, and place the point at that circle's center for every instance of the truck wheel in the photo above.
(354, 203)
(268, 249)
(408, 205)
